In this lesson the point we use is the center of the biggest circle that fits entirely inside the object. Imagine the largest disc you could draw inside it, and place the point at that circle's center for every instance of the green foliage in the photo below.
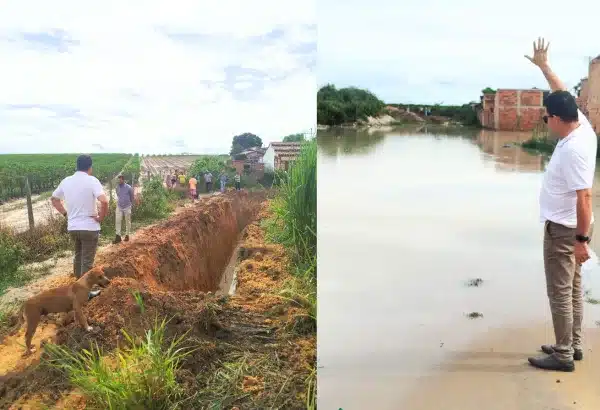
(11, 255)
(294, 138)
(463, 114)
(295, 208)
(346, 105)
(45, 171)
(488, 90)
(212, 163)
(154, 203)
(131, 170)
(244, 141)
(144, 375)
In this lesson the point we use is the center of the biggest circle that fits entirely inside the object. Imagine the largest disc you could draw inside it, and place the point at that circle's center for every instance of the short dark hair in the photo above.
(84, 163)
(563, 105)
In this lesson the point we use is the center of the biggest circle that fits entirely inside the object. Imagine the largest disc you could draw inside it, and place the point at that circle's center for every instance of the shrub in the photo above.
(295, 209)
(346, 105)
(12, 254)
(141, 376)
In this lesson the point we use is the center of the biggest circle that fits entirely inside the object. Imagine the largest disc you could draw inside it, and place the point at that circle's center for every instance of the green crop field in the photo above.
(45, 171)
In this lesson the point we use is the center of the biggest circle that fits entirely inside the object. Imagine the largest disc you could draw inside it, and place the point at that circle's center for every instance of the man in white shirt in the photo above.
(566, 210)
(80, 192)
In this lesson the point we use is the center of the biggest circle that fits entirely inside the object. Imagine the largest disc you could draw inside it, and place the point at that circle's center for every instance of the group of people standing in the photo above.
(178, 179)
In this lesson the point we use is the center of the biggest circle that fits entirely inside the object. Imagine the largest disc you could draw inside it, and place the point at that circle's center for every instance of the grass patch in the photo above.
(253, 380)
(541, 144)
(294, 225)
(141, 376)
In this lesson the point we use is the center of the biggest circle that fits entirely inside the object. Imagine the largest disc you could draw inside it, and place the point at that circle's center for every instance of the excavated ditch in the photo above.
(190, 251)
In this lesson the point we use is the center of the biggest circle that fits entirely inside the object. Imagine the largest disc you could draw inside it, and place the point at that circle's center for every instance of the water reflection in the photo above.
(405, 218)
(506, 151)
(348, 141)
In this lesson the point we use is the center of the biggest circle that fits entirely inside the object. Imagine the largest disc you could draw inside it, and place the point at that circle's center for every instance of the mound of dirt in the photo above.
(251, 332)
(189, 250)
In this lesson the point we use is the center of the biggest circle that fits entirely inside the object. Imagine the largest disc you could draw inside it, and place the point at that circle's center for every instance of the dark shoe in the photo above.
(577, 354)
(126, 238)
(93, 294)
(117, 239)
(551, 363)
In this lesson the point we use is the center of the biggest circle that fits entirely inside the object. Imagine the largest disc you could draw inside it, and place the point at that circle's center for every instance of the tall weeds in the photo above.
(142, 376)
(295, 209)
(295, 226)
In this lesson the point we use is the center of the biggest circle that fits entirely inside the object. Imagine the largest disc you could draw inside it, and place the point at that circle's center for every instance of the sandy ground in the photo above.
(493, 374)
(17, 218)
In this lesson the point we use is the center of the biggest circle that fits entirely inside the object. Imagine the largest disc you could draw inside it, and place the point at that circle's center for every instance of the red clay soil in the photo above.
(189, 250)
(254, 323)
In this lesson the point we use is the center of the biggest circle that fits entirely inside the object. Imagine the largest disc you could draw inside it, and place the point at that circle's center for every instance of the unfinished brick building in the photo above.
(589, 95)
(512, 110)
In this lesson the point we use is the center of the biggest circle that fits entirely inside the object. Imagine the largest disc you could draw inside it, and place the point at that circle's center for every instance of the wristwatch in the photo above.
(582, 238)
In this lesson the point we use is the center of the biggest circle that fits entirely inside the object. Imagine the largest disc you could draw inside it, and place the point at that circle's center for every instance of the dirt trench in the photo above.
(189, 251)
(255, 325)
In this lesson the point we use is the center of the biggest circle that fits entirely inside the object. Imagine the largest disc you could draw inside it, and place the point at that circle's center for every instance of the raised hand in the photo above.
(540, 53)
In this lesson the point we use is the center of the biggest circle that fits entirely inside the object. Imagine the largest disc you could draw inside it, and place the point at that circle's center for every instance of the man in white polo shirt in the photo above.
(81, 191)
(566, 211)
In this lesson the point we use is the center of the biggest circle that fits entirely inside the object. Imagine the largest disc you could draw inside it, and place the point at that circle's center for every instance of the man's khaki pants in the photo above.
(86, 244)
(565, 291)
(119, 220)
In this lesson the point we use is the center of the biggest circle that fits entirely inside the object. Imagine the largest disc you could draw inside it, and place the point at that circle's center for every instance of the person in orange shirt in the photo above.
(193, 183)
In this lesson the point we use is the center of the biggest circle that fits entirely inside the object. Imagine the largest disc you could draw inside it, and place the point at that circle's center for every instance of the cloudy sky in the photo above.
(434, 51)
(153, 76)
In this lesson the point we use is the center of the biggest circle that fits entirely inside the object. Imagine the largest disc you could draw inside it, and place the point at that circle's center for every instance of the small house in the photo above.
(280, 155)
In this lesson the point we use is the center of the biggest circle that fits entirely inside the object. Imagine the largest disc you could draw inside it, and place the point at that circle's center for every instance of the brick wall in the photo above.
(518, 110)
(593, 100)
(486, 115)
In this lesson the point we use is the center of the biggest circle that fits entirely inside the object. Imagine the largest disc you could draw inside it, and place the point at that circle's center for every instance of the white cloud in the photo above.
(438, 50)
(140, 75)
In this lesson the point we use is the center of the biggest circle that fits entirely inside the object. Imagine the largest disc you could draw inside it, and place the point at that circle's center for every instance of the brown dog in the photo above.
(61, 299)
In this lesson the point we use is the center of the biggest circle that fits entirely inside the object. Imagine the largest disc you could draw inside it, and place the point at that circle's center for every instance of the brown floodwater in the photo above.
(406, 219)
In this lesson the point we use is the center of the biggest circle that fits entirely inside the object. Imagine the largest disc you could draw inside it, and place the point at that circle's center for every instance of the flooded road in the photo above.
(406, 219)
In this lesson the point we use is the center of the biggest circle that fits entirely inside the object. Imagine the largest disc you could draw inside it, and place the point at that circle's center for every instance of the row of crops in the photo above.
(45, 171)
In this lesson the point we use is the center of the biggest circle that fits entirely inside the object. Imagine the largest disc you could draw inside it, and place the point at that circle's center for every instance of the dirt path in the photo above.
(493, 374)
(17, 218)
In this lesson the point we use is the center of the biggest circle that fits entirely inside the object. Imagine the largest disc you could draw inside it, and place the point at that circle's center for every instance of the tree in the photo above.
(488, 90)
(294, 138)
(346, 105)
(243, 142)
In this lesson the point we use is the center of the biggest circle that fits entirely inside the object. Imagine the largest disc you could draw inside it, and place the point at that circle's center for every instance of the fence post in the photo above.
(29, 203)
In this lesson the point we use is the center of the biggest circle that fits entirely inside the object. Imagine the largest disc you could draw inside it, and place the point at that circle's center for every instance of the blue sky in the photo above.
(154, 77)
(441, 51)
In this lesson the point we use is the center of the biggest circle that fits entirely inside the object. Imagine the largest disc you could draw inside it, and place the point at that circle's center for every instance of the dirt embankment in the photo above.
(166, 273)
(188, 251)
